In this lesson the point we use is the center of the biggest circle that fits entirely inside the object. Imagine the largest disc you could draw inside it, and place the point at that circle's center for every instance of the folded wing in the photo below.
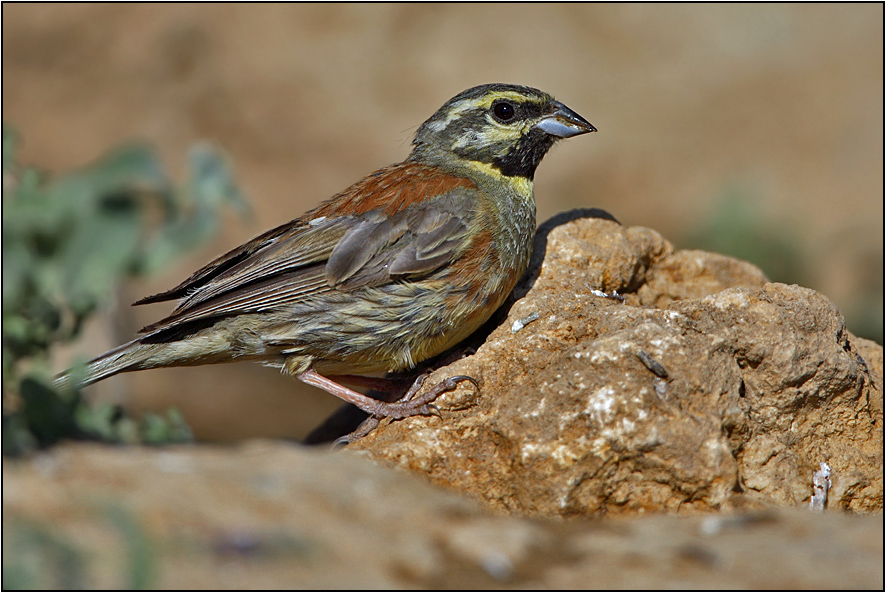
(316, 254)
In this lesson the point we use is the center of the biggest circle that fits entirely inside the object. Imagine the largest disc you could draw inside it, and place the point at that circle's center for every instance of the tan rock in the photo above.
(707, 388)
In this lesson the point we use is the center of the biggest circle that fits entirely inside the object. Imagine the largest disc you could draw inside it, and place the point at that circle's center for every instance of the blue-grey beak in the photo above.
(564, 123)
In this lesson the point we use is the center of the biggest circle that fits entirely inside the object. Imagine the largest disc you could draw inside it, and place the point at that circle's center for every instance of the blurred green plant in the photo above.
(68, 241)
(41, 559)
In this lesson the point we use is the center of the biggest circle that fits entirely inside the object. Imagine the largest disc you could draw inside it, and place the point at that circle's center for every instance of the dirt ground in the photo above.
(780, 103)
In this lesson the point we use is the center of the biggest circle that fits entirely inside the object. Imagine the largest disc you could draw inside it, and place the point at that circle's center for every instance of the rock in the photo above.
(270, 515)
(707, 388)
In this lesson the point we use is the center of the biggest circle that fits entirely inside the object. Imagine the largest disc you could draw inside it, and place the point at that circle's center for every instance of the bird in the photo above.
(397, 268)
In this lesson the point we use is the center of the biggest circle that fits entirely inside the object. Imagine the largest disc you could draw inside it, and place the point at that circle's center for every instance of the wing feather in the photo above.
(307, 245)
(320, 252)
(273, 293)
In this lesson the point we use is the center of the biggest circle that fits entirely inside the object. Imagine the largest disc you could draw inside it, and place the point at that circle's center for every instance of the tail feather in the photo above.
(128, 357)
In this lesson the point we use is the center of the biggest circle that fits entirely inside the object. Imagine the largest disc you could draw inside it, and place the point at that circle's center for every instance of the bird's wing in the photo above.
(408, 245)
(302, 245)
(240, 259)
(314, 254)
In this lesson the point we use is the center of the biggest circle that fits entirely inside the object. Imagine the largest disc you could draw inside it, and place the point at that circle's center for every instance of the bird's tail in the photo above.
(128, 357)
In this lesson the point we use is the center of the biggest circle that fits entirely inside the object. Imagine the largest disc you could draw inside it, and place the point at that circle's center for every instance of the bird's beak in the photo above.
(564, 123)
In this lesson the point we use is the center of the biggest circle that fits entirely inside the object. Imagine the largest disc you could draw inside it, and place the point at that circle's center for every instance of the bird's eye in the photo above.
(504, 111)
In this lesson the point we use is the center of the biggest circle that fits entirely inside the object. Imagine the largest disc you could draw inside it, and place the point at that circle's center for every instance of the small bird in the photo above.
(395, 269)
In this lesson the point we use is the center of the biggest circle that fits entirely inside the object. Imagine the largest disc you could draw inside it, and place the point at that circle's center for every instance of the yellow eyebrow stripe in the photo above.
(486, 101)
(490, 98)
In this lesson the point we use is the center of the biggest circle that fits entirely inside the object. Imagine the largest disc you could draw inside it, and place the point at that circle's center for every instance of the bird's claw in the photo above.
(459, 378)
(407, 406)
(365, 428)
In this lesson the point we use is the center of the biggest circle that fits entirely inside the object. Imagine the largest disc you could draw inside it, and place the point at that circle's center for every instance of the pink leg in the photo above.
(405, 407)
(385, 384)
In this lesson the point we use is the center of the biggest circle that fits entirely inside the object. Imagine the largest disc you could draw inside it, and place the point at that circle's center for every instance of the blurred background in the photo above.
(752, 130)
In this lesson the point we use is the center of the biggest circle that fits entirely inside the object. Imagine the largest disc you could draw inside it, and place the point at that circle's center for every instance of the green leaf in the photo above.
(49, 416)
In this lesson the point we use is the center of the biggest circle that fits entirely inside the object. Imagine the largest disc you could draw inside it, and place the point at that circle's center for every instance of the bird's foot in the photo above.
(410, 405)
(406, 406)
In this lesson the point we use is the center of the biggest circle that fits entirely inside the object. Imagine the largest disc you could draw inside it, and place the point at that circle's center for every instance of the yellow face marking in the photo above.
(520, 185)
(492, 133)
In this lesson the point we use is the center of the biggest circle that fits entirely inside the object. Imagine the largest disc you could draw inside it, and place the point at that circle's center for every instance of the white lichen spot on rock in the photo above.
(600, 404)
(673, 316)
(728, 299)
(716, 450)
(602, 355)
(566, 453)
(529, 450)
(599, 446)
(539, 406)
(567, 419)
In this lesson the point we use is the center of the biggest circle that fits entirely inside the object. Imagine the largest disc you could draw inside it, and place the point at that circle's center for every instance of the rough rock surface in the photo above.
(270, 515)
(707, 388)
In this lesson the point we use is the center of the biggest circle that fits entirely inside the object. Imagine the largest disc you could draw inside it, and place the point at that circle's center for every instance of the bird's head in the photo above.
(504, 128)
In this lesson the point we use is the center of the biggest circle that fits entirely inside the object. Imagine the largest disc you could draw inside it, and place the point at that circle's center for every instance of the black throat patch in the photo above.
(524, 157)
